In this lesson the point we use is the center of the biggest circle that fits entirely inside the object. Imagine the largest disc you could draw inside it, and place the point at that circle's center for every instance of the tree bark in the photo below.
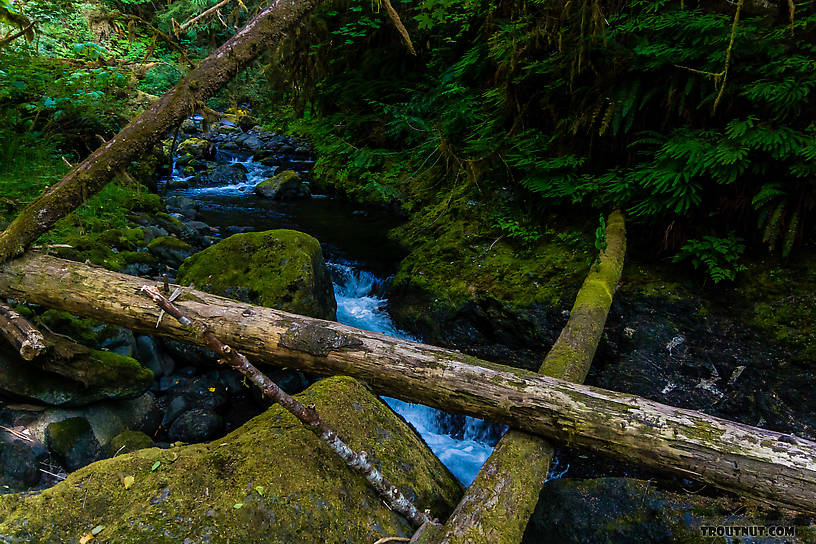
(307, 415)
(766, 465)
(20, 333)
(141, 134)
(500, 501)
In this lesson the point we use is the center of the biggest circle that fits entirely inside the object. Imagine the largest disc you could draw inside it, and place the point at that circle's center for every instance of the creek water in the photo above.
(360, 258)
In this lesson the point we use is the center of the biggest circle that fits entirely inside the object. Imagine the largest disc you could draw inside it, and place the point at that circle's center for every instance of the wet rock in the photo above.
(188, 126)
(149, 354)
(222, 174)
(284, 186)
(107, 418)
(621, 511)
(170, 250)
(20, 457)
(197, 425)
(197, 148)
(128, 441)
(122, 342)
(282, 269)
(305, 495)
(73, 442)
(184, 205)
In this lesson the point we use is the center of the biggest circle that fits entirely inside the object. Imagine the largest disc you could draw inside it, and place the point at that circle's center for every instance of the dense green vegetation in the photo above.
(514, 117)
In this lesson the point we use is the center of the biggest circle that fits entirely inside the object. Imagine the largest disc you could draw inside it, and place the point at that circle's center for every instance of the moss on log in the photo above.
(766, 465)
(499, 502)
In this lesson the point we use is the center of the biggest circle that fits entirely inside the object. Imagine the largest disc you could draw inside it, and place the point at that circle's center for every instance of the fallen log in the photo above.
(141, 134)
(501, 499)
(757, 463)
(20, 333)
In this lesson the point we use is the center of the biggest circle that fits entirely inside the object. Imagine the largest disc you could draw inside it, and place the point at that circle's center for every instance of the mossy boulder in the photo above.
(195, 147)
(72, 375)
(269, 481)
(129, 441)
(73, 442)
(281, 269)
(170, 250)
(286, 185)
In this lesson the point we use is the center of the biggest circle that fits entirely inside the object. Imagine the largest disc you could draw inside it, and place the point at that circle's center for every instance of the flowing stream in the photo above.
(360, 258)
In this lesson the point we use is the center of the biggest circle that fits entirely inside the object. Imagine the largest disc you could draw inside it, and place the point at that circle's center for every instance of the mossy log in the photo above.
(140, 135)
(504, 494)
(758, 463)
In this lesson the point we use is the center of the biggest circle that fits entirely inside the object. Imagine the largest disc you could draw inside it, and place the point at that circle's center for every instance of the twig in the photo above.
(178, 30)
(395, 18)
(728, 55)
(27, 30)
(18, 434)
(306, 414)
(392, 539)
(60, 477)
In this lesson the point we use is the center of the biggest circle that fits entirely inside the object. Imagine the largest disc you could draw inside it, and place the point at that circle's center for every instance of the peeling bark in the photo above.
(20, 333)
(141, 134)
(500, 501)
(757, 463)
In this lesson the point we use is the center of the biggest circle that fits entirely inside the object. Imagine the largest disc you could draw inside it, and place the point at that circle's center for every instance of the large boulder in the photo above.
(286, 185)
(20, 457)
(196, 147)
(281, 269)
(222, 174)
(73, 442)
(270, 481)
(170, 250)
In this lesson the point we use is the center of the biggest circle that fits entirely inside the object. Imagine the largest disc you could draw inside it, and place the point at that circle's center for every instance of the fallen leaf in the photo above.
(96, 530)
(238, 505)
(212, 389)
(129, 481)
(156, 465)
(260, 490)
(85, 539)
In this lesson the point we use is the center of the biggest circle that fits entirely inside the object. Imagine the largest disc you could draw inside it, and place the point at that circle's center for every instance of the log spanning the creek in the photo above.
(500, 501)
(766, 465)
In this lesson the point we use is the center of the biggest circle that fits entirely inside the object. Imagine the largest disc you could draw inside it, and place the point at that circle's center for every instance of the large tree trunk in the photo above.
(757, 463)
(500, 501)
(141, 134)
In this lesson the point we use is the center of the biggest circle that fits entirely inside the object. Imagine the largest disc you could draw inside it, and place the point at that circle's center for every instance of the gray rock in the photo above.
(196, 425)
(149, 354)
(284, 186)
(122, 343)
(20, 459)
(73, 442)
(170, 250)
(223, 174)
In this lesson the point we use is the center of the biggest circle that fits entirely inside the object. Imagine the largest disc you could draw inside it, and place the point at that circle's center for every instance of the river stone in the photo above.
(197, 425)
(95, 375)
(623, 510)
(73, 442)
(170, 250)
(196, 147)
(270, 481)
(286, 185)
(149, 354)
(281, 269)
(222, 174)
(128, 441)
(107, 418)
(20, 459)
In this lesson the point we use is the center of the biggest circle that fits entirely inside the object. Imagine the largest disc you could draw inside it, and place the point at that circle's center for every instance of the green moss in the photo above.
(289, 486)
(62, 435)
(129, 441)
(281, 269)
(82, 329)
(169, 242)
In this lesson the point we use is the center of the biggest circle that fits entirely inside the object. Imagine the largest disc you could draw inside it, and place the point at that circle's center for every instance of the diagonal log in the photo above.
(307, 415)
(141, 134)
(500, 501)
(757, 463)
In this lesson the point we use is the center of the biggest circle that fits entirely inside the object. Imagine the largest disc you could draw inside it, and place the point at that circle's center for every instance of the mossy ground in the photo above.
(282, 269)
(269, 481)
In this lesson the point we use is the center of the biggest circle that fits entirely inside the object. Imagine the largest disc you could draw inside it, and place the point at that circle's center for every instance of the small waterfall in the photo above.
(462, 443)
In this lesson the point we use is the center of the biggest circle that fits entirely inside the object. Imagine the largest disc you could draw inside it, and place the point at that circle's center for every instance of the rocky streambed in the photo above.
(211, 459)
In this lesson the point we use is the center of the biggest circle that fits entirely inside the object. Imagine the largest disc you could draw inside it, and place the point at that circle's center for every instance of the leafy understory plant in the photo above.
(719, 256)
